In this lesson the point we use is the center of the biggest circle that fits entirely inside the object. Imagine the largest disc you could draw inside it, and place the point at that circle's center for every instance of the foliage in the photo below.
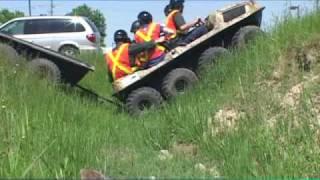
(94, 15)
(6, 15)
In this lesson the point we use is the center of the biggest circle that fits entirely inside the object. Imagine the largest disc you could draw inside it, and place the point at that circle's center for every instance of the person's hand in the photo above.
(195, 21)
(201, 21)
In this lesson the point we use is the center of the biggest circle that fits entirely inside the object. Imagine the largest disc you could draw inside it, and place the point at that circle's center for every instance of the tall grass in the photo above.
(48, 132)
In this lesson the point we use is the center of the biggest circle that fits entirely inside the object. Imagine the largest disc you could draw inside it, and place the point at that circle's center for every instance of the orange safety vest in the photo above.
(118, 62)
(170, 23)
(152, 32)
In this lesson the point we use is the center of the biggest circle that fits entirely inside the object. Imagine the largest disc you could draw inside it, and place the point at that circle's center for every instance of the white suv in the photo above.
(68, 35)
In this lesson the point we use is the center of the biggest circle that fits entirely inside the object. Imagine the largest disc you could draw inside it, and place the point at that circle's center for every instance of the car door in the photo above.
(64, 33)
(37, 31)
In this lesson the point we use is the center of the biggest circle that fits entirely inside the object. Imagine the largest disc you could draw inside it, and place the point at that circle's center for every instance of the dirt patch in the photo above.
(293, 96)
(297, 66)
(272, 122)
(200, 167)
(295, 61)
(297, 70)
(309, 56)
(165, 155)
(186, 149)
(224, 121)
(227, 118)
(90, 174)
(213, 171)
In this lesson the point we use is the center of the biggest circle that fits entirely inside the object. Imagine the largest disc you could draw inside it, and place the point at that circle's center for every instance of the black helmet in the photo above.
(121, 36)
(144, 17)
(176, 4)
(167, 9)
(135, 26)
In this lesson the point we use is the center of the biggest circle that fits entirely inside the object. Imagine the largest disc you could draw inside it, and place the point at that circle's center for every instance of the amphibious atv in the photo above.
(231, 26)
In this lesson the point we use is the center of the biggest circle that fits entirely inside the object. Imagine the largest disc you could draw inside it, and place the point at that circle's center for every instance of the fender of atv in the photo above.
(186, 56)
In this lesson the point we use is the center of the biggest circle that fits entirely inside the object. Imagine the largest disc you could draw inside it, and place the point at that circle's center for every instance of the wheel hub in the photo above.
(144, 104)
(181, 85)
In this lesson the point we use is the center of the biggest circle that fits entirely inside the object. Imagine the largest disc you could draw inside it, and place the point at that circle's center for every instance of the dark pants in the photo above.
(186, 38)
(194, 34)
(154, 62)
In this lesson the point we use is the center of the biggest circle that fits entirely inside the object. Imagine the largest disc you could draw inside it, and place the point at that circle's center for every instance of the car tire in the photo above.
(69, 50)
(9, 53)
(210, 56)
(177, 82)
(46, 69)
(141, 99)
(244, 35)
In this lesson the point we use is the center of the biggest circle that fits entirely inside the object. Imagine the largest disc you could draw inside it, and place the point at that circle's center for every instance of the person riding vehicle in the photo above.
(122, 60)
(176, 21)
(151, 31)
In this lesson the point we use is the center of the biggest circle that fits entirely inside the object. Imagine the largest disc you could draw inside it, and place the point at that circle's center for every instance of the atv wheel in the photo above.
(46, 69)
(9, 53)
(209, 57)
(142, 99)
(244, 35)
(178, 81)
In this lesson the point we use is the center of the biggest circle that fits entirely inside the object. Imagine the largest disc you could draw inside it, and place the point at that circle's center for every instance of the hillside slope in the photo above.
(256, 114)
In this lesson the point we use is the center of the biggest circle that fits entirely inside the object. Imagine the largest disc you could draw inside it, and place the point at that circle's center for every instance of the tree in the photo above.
(6, 15)
(94, 15)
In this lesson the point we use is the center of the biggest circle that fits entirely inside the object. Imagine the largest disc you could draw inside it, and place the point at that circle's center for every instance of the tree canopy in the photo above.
(6, 15)
(94, 15)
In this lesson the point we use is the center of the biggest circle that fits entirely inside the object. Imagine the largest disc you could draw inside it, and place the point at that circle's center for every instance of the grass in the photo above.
(48, 132)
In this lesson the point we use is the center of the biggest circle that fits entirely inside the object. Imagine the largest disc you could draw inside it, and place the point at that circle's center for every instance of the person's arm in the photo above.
(187, 26)
(166, 30)
(136, 48)
(181, 23)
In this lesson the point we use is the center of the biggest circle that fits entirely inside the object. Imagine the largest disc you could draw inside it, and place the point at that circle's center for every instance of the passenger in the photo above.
(122, 60)
(176, 21)
(141, 58)
(135, 26)
(151, 31)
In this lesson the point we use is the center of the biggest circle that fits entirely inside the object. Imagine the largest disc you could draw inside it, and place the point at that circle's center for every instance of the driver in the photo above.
(176, 22)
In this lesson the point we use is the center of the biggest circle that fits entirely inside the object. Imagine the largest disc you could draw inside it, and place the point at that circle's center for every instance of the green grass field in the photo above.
(242, 120)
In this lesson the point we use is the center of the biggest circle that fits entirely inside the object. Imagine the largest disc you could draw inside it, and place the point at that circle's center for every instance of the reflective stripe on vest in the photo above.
(148, 36)
(170, 23)
(115, 61)
(150, 31)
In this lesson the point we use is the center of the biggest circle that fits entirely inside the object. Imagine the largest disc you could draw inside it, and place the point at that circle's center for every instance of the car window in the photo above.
(92, 25)
(79, 28)
(60, 25)
(37, 26)
(41, 26)
(14, 28)
(65, 25)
